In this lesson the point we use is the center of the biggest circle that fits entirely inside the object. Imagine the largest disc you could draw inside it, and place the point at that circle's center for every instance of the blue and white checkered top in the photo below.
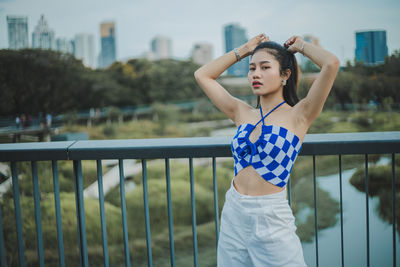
(272, 155)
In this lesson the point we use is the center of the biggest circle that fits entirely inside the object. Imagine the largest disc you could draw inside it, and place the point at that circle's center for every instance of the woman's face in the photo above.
(264, 73)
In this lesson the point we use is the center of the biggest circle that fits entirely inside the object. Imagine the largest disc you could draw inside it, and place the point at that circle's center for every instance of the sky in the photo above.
(188, 22)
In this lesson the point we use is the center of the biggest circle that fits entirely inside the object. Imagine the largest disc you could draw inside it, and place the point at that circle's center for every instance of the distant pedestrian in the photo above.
(23, 120)
(48, 120)
(18, 122)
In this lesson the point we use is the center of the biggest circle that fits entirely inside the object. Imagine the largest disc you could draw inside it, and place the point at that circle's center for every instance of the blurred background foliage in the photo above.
(35, 80)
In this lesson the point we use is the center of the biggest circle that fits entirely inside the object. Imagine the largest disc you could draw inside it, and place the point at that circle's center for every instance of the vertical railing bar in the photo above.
(77, 212)
(146, 213)
(123, 210)
(17, 213)
(315, 212)
(102, 212)
(289, 192)
(341, 209)
(38, 220)
(170, 221)
(2, 247)
(80, 211)
(75, 167)
(394, 209)
(60, 237)
(216, 213)
(367, 204)
(192, 201)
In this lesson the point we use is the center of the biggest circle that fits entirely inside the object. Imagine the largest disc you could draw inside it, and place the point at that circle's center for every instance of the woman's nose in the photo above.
(256, 73)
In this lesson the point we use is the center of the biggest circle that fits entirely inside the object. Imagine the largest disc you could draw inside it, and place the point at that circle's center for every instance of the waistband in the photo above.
(255, 204)
(279, 195)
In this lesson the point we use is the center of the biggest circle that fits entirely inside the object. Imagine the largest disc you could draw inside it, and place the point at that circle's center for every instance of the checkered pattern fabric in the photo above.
(272, 155)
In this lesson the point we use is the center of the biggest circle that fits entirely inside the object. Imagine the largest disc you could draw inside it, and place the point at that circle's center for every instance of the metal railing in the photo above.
(145, 149)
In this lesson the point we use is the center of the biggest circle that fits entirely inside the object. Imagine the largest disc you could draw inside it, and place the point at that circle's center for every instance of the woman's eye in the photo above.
(264, 68)
(252, 69)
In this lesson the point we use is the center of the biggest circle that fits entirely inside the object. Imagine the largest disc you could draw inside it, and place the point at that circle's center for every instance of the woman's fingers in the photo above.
(290, 41)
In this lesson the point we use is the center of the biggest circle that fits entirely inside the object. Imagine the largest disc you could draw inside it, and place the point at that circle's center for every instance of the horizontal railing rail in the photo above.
(314, 144)
(167, 148)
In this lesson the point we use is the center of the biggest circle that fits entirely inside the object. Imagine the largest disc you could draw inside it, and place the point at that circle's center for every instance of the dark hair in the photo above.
(286, 60)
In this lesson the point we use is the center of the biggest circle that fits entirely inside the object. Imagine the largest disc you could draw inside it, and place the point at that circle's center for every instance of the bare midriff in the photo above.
(249, 182)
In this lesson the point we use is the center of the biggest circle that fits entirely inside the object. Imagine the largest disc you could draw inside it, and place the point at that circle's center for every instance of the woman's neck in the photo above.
(269, 101)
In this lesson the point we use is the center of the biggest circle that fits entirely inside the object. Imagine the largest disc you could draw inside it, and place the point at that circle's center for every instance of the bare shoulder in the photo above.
(245, 114)
(289, 118)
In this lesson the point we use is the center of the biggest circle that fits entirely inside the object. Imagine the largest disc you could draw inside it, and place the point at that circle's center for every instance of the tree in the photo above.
(33, 81)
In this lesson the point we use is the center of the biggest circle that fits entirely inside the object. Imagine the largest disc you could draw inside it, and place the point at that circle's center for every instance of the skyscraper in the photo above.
(161, 47)
(235, 36)
(371, 47)
(43, 36)
(84, 49)
(64, 45)
(108, 48)
(17, 32)
(202, 53)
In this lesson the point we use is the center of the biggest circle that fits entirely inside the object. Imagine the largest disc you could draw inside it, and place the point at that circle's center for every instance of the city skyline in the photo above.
(189, 23)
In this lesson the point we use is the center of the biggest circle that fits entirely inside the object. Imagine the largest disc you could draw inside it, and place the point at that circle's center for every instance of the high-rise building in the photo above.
(43, 36)
(17, 32)
(202, 53)
(72, 42)
(371, 47)
(108, 48)
(161, 47)
(235, 36)
(64, 45)
(84, 49)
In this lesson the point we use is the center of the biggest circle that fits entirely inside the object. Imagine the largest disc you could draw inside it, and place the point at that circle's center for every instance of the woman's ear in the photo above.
(287, 74)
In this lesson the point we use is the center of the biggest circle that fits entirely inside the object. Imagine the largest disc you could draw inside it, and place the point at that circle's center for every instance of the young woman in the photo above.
(257, 224)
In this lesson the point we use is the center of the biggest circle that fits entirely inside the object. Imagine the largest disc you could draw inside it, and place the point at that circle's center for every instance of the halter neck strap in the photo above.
(263, 117)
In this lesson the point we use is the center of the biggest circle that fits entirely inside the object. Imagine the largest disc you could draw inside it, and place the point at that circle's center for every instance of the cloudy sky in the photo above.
(186, 22)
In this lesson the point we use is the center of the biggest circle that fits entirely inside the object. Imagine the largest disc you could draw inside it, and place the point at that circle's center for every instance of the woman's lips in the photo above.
(256, 84)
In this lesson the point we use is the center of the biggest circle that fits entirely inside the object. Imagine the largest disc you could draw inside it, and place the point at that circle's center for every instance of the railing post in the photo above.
(394, 210)
(146, 213)
(367, 204)
(102, 212)
(341, 209)
(17, 212)
(216, 209)
(193, 204)
(60, 238)
(315, 212)
(170, 221)
(123, 211)
(39, 236)
(80, 213)
(2, 248)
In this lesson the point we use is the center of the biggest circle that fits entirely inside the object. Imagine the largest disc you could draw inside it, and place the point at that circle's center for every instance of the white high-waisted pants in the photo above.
(258, 231)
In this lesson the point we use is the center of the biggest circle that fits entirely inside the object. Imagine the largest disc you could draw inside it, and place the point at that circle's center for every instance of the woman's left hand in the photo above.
(294, 44)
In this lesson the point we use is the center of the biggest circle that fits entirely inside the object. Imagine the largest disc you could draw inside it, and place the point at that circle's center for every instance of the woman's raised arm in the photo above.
(311, 106)
(206, 77)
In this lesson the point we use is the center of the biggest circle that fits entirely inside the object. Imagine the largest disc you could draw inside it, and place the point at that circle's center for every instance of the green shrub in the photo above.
(180, 197)
(69, 227)
(109, 131)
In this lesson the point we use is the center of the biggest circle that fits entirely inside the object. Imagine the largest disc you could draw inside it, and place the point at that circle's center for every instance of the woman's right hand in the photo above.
(253, 42)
